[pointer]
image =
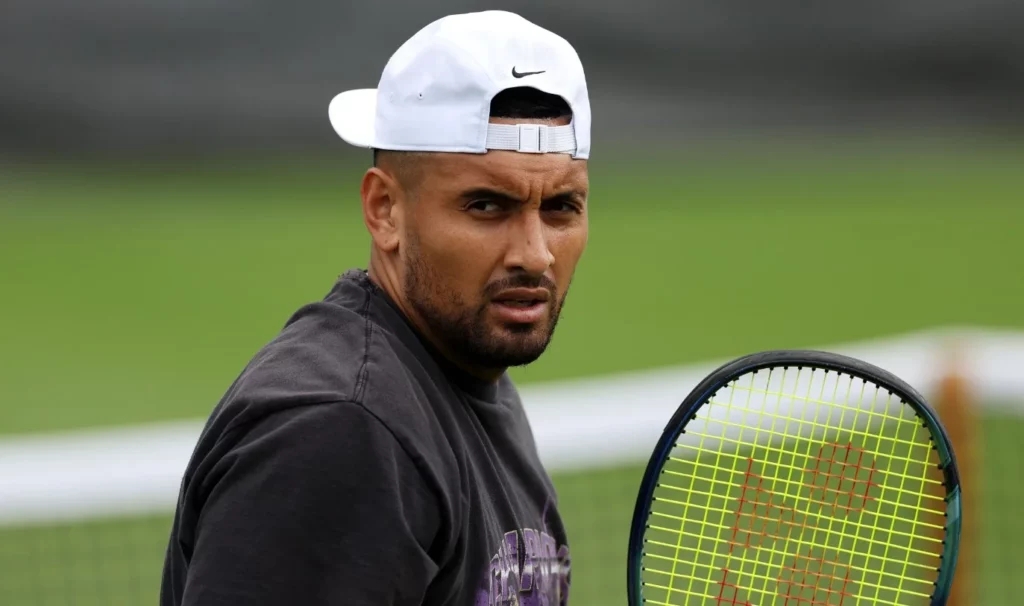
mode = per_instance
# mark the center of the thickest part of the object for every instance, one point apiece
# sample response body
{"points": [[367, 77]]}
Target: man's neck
{"points": [[386, 279]]}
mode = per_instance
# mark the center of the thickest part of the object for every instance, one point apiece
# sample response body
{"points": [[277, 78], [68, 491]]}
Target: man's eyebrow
{"points": [[484, 193], [575, 195]]}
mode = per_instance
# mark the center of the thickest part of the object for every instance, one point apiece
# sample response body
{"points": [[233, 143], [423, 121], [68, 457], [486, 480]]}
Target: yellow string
{"points": [[860, 569], [817, 539], [824, 427], [779, 450], [799, 484], [773, 552]]}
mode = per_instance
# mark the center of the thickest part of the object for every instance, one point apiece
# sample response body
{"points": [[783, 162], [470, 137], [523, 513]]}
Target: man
{"points": [[376, 452]]}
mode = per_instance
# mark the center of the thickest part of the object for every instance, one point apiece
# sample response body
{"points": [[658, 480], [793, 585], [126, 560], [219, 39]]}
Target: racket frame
{"points": [[785, 358]]}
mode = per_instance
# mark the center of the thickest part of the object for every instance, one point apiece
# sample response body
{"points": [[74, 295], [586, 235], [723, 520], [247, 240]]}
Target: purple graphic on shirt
{"points": [[529, 569]]}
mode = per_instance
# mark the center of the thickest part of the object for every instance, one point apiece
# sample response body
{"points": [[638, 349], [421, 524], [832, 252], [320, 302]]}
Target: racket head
{"points": [[832, 482]]}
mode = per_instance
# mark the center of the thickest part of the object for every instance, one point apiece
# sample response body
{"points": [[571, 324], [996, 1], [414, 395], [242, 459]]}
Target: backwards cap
{"points": [[435, 92]]}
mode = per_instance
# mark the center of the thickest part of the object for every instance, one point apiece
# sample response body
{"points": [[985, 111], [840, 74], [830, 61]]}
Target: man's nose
{"points": [[528, 250]]}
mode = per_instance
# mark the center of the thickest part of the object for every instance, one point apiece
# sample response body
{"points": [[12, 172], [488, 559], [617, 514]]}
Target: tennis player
{"points": [[376, 452]]}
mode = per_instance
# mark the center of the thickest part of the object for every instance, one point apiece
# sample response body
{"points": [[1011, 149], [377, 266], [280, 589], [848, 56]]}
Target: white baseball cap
{"points": [[435, 92]]}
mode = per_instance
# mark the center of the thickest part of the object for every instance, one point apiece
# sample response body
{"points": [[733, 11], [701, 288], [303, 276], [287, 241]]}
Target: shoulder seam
{"points": [[363, 373]]}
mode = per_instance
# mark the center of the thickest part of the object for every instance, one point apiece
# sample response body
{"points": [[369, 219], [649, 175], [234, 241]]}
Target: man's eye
{"points": [[561, 207], [487, 206]]}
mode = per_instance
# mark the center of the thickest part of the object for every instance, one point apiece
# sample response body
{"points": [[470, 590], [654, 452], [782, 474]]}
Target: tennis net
{"points": [[84, 516]]}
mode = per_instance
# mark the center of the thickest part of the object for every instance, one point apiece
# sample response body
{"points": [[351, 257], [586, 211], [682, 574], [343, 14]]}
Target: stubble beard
{"points": [[466, 332]]}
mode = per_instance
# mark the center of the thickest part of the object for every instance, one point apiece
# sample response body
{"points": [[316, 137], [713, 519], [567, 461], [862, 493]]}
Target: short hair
{"points": [[524, 103]]}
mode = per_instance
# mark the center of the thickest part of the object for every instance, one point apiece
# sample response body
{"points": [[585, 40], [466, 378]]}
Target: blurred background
{"points": [[845, 176]]}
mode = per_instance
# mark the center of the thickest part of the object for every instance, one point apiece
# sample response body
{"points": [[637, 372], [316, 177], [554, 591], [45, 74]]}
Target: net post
{"points": [[958, 413]]}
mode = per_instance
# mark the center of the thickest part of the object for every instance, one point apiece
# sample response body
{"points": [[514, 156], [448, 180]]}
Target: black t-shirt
{"points": [[349, 464]]}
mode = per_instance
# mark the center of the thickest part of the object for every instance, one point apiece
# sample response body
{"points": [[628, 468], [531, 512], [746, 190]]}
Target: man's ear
{"points": [[381, 212]]}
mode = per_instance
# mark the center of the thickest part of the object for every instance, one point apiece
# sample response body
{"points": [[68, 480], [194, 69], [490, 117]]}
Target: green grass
{"points": [[137, 294], [118, 562], [96, 563]]}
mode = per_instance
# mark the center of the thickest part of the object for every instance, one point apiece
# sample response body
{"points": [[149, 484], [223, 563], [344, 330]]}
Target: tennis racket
{"points": [[797, 478]]}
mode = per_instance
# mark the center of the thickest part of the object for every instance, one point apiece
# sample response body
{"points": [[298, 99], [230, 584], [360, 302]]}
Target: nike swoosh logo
{"points": [[516, 74]]}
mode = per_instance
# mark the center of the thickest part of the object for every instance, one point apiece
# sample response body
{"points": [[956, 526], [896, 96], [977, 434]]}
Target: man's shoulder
{"points": [[315, 358], [348, 347]]}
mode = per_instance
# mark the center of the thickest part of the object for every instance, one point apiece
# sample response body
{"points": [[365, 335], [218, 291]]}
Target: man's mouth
{"points": [[522, 305], [523, 297], [518, 303]]}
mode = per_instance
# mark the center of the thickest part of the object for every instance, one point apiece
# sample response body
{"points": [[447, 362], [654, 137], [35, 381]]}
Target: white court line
{"points": [[578, 424], [619, 418]]}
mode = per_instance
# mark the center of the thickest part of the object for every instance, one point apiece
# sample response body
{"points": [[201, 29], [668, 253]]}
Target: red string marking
{"points": [[766, 521], [816, 587], [807, 580], [846, 477], [732, 600]]}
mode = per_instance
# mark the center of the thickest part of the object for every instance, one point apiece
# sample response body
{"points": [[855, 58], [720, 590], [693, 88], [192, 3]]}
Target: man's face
{"points": [[489, 248]]}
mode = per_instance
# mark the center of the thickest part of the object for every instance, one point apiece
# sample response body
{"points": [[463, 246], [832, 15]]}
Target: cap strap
{"points": [[532, 138]]}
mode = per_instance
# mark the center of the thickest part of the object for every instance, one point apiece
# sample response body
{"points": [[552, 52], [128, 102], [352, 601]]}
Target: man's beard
{"points": [[465, 332]]}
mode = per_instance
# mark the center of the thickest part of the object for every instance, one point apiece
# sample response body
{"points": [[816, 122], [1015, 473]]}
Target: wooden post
{"points": [[958, 412]]}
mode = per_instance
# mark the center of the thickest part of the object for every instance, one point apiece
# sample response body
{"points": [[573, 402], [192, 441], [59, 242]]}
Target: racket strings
{"points": [[820, 517], [818, 400], [897, 475], [795, 571], [852, 432], [825, 511], [755, 562]]}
